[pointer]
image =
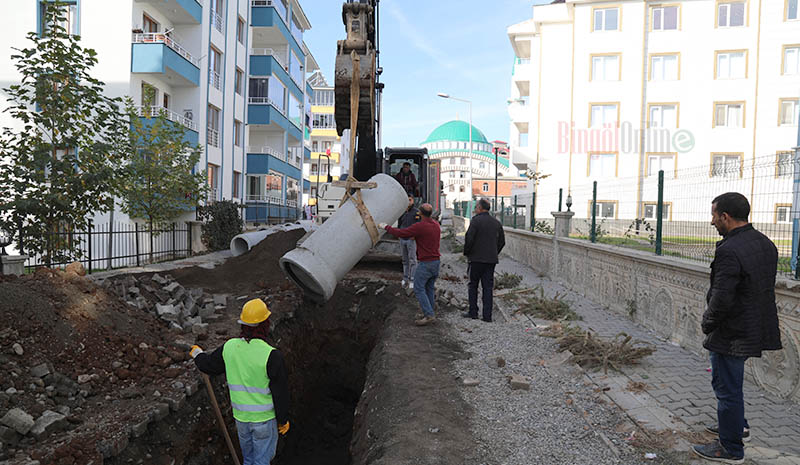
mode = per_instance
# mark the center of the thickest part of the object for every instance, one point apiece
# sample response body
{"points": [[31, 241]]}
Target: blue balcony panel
{"points": [[267, 16], [157, 58], [306, 185], [259, 163], [267, 65], [267, 115], [189, 135], [263, 213], [306, 153]]}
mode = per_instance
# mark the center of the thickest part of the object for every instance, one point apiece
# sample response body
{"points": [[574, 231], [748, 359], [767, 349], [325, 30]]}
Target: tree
{"points": [[159, 182], [60, 167]]}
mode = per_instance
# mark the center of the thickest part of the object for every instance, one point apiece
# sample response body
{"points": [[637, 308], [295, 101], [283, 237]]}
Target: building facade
{"points": [[449, 143], [230, 72], [613, 92]]}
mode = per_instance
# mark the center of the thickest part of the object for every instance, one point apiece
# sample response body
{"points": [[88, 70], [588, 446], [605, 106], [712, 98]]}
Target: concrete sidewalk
{"points": [[209, 260], [678, 394]]}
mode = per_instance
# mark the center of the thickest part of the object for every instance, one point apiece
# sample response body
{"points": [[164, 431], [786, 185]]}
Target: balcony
{"points": [[179, 11], [266, 62], [266, 150], [156, 53], [266, 52], [523, 73], [523, 157], [263, 111], [273, 17], [149, 113]]}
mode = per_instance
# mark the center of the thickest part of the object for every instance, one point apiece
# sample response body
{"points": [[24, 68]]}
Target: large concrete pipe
{"points": [[331, 251], [242, 243]]}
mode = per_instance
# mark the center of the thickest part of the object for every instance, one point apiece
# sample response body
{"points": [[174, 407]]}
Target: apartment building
{"points": [[616, 91], [231, 72], [328, 152]]}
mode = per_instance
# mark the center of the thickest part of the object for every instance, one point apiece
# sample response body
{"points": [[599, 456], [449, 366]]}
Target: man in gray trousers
{"points": [[409, 246]]}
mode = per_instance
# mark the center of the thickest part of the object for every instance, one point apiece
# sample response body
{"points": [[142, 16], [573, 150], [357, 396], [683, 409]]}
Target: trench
{"points": [[326, 348]]}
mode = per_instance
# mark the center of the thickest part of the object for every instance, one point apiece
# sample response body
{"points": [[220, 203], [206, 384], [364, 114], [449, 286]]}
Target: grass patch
{"points": [[507, 280], [591, 351]]}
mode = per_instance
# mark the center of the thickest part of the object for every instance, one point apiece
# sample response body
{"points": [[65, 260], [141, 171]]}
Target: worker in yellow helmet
{"points": [[257, 383]]}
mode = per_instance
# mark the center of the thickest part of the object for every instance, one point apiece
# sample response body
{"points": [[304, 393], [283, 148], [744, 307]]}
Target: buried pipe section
{"points": [[326, 255], [242, 243]]}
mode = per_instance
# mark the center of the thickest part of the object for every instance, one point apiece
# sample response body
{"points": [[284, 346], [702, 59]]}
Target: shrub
{"points": [[221, 222], [507, 280]]}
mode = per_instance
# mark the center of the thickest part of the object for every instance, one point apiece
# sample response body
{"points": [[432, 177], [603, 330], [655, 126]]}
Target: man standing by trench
{"points": [[427, 234], [257, 382], [482, 245], [409, 246], [740, 321]]}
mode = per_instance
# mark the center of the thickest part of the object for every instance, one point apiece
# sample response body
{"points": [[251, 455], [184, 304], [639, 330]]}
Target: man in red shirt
{"points": [[427, 234]]}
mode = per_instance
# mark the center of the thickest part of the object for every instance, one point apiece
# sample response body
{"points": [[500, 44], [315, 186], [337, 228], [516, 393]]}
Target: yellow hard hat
{"points": [[254, 312]]}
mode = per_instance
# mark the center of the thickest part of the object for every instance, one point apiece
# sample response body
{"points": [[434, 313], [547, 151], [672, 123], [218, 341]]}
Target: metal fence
{"points": [[668, 212], [117, 245]]}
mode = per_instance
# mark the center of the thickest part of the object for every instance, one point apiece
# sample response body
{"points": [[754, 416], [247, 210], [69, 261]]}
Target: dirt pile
{"points": [[79, 362], [255, 270]]}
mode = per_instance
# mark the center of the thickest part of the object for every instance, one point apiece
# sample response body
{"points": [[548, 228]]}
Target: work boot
{"points": [[467, 315], [403, 283], [716, 453], [715, 431], [425, 321]]}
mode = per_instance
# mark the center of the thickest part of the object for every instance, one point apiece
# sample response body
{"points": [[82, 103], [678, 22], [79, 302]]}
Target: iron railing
{"points": [[159, 37]]}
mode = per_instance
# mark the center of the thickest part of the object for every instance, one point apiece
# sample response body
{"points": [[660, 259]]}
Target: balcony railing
{"points": [[212, 137], [265, 101], [153, 111], [267, 150], [161, 38], [291, 203], [216, 20], [297, 162], [269, 52], [259, 198], [273, 3], [212, 194], [214, 79]]}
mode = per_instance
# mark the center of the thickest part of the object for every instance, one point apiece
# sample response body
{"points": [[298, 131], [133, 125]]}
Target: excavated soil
{"points": [[255, 270]]}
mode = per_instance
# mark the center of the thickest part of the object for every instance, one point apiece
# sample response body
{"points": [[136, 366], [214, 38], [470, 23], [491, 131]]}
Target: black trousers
{"points": [[482, 273]]}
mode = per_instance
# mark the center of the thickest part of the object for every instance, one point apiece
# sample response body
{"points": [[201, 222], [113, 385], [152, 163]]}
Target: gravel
{"points": [[562, 419]]}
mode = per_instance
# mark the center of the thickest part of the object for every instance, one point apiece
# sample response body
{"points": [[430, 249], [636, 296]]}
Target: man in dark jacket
{"points": [[482, 244], [408, 246], [407, 179], [740, 320]]}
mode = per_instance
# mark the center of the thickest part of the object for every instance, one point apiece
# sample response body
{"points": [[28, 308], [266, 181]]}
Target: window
{"points": [[726, 165], [485, 187], [665, 67], [212, 134], [665, 18], [295, 110], [791, 9], [292, 191], [69, 17], [238, 78], [729, 114], [789, 111], [603, 114], [452, 188], [663, 115], [482, 165], [215, 62], [149, 24], [603, 165], [255, 188], [213, 181], [149, 96], [783, 164], [454, 161], [462, 189], [237, 133], [606, 67], [791, 60], [277, 93], [295, 68], [523, 139], [604, 208], [240, 30], [462, 174], [731, 14], [731, 64], [783, 213], [452, 174], [463, 161], [166, 100], [651, 209], [606, 19], [274, 181], [324, 121], [659, 161], [237, 177]]}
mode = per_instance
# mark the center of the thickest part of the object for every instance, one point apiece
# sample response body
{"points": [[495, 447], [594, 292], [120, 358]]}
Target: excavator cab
{"points": [[426, 172]]}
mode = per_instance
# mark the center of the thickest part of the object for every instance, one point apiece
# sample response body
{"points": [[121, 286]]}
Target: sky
{"points": [[458, 47]]}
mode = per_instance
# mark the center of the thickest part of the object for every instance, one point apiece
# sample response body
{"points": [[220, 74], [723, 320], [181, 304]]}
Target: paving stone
{"points": [[172, 287], [49, 422], [220, 299], [519, 382]]}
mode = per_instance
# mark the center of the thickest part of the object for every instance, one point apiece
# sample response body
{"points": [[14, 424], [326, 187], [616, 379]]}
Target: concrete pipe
{"points": [[242, 243], [337, 245]]}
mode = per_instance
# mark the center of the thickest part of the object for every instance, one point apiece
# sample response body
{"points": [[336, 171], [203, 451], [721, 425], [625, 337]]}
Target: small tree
{"points": [[221, 223], [159, 182], [60, 167]]}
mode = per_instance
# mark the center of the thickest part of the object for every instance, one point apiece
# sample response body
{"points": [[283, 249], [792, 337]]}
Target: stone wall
{"points": [[664, 294]]}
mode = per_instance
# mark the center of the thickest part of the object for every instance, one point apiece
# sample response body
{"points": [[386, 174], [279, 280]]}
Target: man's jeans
{"points": [[482, 273], [424, 280], [258, 441], [409, 248], [727, 375]]}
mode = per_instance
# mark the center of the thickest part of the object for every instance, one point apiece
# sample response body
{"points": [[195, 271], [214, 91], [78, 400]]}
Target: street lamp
{"points": [[443, 95], [569, 201], [5, 240]]}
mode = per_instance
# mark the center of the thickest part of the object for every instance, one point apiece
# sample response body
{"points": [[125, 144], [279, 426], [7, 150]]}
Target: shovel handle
{"points": [[220, 420]]}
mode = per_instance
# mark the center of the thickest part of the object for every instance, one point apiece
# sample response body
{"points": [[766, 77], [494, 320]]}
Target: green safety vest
{"points": [[248, 383]]}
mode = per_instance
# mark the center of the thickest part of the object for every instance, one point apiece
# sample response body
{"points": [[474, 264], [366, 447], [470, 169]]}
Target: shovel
{"points": [[220, 420]]}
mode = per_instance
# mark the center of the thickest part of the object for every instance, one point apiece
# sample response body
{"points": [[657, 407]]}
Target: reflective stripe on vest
{"points": [[248, 382]]}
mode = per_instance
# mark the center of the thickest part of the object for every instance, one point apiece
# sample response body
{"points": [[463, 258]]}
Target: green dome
{"points": [[456, 131]]}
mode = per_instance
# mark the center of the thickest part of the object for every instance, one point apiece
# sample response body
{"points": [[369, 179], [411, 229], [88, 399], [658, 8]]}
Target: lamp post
{"points": [[468, 102], [496, 152], [5, 240]]}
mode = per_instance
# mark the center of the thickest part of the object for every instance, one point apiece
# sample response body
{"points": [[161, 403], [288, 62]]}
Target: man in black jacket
{"points": [[482, 244], [740, 320], [408, 246]]}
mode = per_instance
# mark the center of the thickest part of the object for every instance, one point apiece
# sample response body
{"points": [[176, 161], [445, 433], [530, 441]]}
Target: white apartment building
{"points": [[613, 91], [232, 72]]}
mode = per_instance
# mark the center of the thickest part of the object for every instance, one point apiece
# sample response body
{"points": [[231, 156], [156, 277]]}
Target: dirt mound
{"points": [[257, 269], [73, 348]]}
